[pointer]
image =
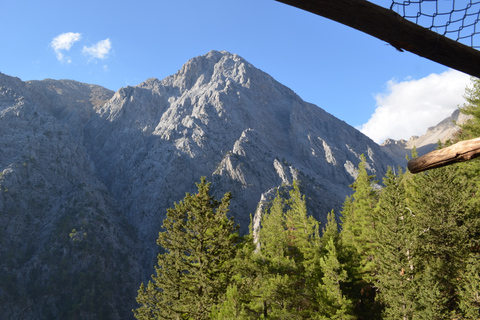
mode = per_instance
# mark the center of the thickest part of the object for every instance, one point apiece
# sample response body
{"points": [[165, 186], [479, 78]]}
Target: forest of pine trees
{"points": [[406, 247]]}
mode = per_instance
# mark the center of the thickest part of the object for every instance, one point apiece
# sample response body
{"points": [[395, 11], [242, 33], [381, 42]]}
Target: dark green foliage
{"points": [[428, 235], [286, 261], [359, 246], [430, 299], [407, 250], [445, 206], [471, 129], [194, 272], [330, 231], [446, 211], [332, 302], [396, 249], [469, 288], [359, 221], [428, 230], [291, 273], [230, 308]]}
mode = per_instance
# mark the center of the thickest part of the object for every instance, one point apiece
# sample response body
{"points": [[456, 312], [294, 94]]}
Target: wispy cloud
{"points": [[100, 50], [64, 42], [410, 107]]}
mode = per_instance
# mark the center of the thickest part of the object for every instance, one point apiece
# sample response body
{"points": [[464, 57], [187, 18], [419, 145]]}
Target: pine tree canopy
{"points": [[194, 272], [409, 249]]}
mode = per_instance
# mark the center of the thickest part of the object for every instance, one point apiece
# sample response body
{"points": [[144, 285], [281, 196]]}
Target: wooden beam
{"points": [[459, 152], [390, 27]]}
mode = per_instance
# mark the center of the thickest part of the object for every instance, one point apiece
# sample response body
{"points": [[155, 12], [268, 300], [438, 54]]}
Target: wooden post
{"points": [[459, 152], [390, 27]]}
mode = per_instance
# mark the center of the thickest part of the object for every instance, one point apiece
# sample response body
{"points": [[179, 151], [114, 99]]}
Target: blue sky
{"points": [[355, 77]]}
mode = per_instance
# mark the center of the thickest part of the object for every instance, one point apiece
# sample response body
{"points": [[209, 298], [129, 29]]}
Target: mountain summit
{"points": [[222, 118], [87, 174]]}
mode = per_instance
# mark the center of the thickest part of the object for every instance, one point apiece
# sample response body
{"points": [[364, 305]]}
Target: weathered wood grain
{"points": [[459, 152]]}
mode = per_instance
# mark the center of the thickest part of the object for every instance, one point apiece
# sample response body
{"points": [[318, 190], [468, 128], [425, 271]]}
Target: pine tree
{"points": [[269, 284], [431, 300], [194, 272], [446, 208], [286, 263], [304, 241], [241, 297], [359, 243], [330, 231], [332, 303], [469, 288], [230, 308], [396, 274], [276, 280], [471, 129], [358, 220]]}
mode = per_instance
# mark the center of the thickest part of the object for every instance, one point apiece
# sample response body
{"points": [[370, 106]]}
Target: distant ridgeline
{"points": [[87, 175]]}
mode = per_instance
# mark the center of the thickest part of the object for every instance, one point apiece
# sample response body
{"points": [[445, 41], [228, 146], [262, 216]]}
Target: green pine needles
{"points": [[415, 255], [408, 250], [194, 272]]}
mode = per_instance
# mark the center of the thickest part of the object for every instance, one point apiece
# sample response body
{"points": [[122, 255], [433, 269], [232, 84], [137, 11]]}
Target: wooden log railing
{"points": [[459, 152]]}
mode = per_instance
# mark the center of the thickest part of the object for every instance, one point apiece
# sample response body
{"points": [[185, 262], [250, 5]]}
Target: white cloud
{"points": [[98, 51], [64, 42], [410, 107]]}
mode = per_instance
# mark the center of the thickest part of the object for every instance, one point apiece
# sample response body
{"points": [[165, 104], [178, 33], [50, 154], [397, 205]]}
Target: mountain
{"points": [[443, 131], [86, 174], [62, 236]]}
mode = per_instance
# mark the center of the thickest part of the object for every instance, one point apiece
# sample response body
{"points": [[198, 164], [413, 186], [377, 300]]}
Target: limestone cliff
{"points": [[86, 175], [66, 251]]}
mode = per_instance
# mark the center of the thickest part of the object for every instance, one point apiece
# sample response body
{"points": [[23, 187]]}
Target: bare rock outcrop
{"points": [[64, 240], [222, 118], [86, 174], [443, 131]]}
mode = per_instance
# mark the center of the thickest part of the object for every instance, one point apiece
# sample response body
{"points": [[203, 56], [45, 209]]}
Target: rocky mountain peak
{"points": [[95, 171], [221, 117], [220, 67]]}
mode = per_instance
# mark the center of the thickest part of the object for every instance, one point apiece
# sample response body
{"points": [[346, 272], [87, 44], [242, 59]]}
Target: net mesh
{"points": [[455, 19]]}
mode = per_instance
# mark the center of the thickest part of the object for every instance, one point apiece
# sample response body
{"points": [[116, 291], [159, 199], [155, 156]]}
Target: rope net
{"points": [[455, 19]]}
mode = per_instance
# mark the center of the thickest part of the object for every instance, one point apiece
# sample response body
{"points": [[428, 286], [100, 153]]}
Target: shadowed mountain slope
{"points": [[86, 174]]}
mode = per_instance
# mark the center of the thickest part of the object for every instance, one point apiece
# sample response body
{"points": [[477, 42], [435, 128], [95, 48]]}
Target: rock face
{"points": [[62, 235], [222, 118], [443, 131], [86, 175]]}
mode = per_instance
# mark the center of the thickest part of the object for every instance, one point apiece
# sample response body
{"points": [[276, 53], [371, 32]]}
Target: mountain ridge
{"points": [[183, 107], [57, 221], [441, 132], [95, 171]]}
